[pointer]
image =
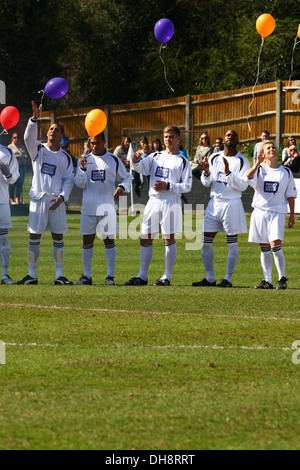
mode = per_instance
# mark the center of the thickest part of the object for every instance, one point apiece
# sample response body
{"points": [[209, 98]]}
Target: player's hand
{"points": [[83, 161], [260, 157], [291, 221], [160, 186], [137, 155], [56, 203], [118, 193], [226, 165], [205, 165], [4, 168], [36, 110]]}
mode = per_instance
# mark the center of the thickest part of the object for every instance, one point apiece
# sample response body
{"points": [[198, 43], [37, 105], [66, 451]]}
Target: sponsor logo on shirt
{"points": [[221, 178], [271, 187], [162, 172], [98, 175], [48, 169]]}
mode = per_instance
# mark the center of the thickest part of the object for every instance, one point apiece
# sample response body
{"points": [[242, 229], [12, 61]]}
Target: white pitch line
{"points": [[33, 345], [209, 347], [109, 310]]}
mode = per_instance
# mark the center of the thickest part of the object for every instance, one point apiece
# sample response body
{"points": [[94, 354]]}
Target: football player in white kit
{"points": [[52, 183], [9, 173], [96, 174], [170, 176], [274, 185], [224, 173]]}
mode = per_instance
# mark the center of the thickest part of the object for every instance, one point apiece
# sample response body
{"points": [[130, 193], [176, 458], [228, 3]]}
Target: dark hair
{"points": [[101, 135], [144, 140], [289, 139], [159, 143], [126, 137], [266, 132]]}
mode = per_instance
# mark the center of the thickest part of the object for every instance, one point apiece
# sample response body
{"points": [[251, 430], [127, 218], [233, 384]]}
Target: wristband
{"points": [[207, 174], [121, 187], [9, 176], [34, 120], [229, 173], [62, 198], [168, 187], [83, 168]]}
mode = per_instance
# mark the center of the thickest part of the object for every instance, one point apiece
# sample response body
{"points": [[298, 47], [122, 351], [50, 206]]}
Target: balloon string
{"points": [[165, 68], [292, 60], [256, 81], [41, 92]]}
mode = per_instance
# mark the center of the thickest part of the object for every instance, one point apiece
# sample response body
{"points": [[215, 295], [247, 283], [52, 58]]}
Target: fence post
{"points": [[53, 117], [106, 131], [278, 112], [188, 121]]}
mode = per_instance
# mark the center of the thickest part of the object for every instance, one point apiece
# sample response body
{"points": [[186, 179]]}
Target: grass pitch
{"points": [[120, 368]]}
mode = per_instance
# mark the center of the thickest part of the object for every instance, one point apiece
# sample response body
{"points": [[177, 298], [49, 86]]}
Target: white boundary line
{"points": [[109, 310]]}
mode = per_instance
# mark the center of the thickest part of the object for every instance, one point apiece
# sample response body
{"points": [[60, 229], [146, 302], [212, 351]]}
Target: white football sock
{"points": [[233, 256], [208, 256], [266, 262], [110, 255], [59, 257], [4, 252], [87, 258], [146, 254], [33, 257], [279, 260], [170, 258]]}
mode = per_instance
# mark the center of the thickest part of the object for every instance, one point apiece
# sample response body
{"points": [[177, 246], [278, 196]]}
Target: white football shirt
{"points": [[273, 186], [162, 166], [225, 186], [7, 156], [99, 182], [52, 171]]}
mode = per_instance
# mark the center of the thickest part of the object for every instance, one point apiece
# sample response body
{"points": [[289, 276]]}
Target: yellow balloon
{"points": [[265, 25], [95, 122], [298, 34]]}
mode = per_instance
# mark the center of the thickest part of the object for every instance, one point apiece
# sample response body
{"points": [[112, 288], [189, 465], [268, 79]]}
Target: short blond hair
{"points": [[267, 142], [172, 129]]}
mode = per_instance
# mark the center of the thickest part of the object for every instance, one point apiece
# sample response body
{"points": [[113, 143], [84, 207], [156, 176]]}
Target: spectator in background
{"points": [[219, 146], [156, 145], [137, 177], [285, 153], [204, 150], [265, 135], [293, 160], [87, 148], [181, 149], [122, 150], [22, 157]]}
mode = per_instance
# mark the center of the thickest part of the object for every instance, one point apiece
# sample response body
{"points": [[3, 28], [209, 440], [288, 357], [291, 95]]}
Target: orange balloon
{"points": [[265, 25], [298, 34], [95, 122]]}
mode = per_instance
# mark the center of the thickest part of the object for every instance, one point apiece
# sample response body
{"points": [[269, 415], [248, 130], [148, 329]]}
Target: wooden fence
{"points": [[276, 107]]}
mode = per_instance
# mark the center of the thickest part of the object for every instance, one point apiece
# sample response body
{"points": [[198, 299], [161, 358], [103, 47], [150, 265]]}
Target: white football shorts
{"points": [[106, 225], [266, 226], [163, 216], [5, 216], [226, 215], [41, 219]]}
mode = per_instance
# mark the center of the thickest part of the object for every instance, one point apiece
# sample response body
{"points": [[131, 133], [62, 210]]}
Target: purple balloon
{"points": [[56, 88], [164, 30]]}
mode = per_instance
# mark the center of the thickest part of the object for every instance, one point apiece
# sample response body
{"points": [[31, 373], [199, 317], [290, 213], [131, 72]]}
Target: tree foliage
{"points": [[107, 51]]}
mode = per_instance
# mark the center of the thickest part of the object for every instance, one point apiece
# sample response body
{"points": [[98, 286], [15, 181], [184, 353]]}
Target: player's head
{"points": [[269, 150], [98, 144], [231, 139], [55, 134], [172, 138]]}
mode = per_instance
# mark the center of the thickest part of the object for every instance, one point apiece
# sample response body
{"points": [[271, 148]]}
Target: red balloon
{"points": [[9, 117]]}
